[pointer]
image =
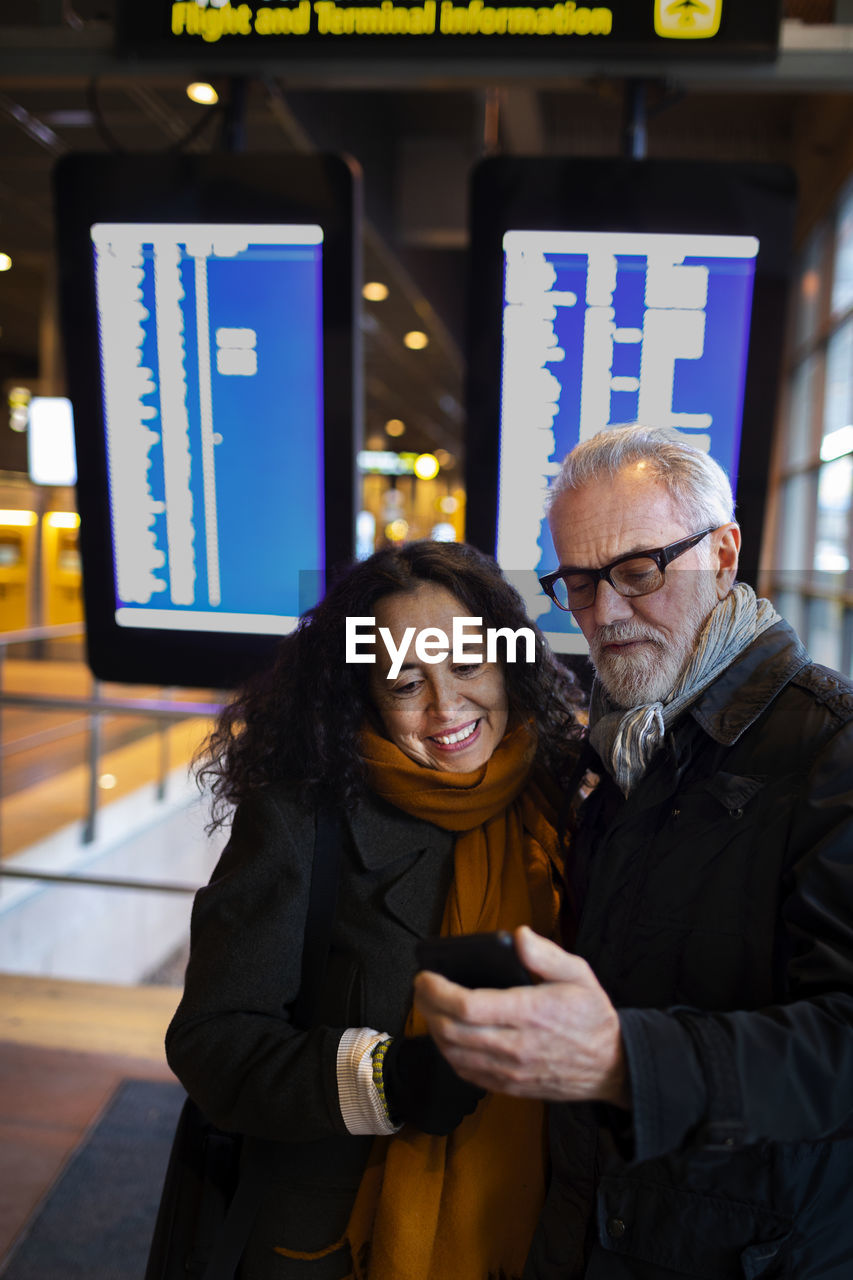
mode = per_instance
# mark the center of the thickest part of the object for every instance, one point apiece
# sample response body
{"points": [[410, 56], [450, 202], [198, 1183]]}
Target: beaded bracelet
{"points": [[377, 1055]]}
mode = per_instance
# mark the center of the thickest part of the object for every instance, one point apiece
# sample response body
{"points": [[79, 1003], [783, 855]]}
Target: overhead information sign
{"points": [[601, 328], [468, 28], [207, 306], [605, 292], [196, 411]]}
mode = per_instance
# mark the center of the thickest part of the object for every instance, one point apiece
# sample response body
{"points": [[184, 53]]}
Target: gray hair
{"points": [[696, 483]]}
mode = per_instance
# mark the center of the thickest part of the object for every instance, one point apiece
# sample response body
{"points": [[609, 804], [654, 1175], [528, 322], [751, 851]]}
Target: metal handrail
{"points": [[163, 711], [98, 882], [56, 631], [154, 708]]}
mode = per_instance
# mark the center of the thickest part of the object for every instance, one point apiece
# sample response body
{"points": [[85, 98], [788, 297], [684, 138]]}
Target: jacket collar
{"points": [[737, 698], [413, 859], [382, 833]]}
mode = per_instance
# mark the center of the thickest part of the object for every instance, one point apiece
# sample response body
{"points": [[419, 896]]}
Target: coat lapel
{"points": [[408, 856]]}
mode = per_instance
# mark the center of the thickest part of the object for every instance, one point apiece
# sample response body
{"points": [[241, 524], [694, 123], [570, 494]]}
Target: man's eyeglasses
{"points": [[637, 574]]}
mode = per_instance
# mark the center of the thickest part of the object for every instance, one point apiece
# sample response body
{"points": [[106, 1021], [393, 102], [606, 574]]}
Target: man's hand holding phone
{"points": [[558, 1039]]}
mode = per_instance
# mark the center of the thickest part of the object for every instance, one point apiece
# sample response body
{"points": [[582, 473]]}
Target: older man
{"points": [[707, 1013]]}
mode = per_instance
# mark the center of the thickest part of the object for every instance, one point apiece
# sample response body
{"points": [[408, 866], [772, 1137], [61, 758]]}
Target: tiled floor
{"points": [[64, 1047]]}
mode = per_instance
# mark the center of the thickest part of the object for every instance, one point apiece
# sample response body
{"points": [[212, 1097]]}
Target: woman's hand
{"points": [[421, 1087]]}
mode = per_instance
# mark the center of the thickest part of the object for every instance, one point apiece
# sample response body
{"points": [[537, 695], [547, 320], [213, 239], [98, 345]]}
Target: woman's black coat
{"points": [[231, 1042]]}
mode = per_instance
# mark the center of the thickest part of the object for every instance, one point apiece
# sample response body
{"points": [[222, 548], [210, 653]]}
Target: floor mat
{"points": [[96, 1221]]}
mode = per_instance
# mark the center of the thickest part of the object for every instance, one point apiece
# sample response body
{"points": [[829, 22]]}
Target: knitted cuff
{"points": [[361, 1091]]}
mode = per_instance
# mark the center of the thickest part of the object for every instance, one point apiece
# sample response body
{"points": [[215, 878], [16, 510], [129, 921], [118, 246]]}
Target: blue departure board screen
{"points": [[211, 365], [603, 328], [208, 314]]}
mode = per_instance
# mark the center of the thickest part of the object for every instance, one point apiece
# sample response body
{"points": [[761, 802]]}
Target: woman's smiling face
{"points": [[444, 715]]}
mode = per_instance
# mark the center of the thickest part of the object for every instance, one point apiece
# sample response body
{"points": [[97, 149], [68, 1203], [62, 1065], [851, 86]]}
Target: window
{"points": [[810, 578]]}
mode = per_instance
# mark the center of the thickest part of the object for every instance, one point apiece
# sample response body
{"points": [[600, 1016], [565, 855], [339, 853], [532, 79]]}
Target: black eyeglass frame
{"points": [[662, 556]]}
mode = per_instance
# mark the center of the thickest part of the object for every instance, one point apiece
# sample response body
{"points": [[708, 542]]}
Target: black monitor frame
{"points": [[219, 188]]}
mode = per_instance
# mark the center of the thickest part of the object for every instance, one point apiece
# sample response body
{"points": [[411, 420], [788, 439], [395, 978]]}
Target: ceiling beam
{"points": [[811, 58]]}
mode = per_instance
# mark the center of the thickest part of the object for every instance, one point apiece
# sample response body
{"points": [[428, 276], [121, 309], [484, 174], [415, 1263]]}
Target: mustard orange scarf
{"points": [[464, 1207]]}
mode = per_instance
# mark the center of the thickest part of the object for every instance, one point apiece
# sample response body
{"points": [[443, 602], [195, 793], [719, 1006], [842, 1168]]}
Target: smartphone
{"points": [[475, 959]]}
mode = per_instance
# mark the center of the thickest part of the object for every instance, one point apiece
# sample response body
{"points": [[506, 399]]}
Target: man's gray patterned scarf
{"points": [[627, 740]]}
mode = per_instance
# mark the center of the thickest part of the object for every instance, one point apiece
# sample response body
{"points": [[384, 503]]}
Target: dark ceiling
{"points": [[416, 136]]}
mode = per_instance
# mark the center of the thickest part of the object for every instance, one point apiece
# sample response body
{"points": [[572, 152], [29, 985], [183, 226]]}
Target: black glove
{"points": [[421, 1086]]}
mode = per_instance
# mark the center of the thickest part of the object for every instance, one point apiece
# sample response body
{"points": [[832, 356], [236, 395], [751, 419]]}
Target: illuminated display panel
{"points": [[216, 30], [608, 291], [211, 364], [207, 307], [601, 328]]}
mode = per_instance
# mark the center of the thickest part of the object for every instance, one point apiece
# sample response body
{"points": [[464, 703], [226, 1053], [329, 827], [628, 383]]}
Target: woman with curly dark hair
{"points": [[387, 1165]]}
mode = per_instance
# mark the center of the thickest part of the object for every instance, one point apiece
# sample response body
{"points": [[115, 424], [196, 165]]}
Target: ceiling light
{"points": [[426, 466], [442, 532], [395, 427], [396, 530], [22, 518], [375, 291], [415, 340], [5, 262], [203, 93]]}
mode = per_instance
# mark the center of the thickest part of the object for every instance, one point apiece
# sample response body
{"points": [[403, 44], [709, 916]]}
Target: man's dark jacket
{"points": [[718, 915]]}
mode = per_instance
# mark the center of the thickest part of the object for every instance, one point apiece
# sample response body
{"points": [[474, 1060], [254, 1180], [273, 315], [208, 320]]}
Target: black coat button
{"points": [[616, 1228]]}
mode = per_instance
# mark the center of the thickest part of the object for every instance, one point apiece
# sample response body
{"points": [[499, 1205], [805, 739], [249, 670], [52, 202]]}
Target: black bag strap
{"points": [[322, 900], [329, 840]]}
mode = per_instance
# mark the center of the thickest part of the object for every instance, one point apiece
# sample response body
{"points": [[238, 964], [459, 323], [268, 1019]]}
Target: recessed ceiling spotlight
{"points": [[426, 466], [375, 291], [199, 91], [396, 530], [415, 340], [395, 427]]}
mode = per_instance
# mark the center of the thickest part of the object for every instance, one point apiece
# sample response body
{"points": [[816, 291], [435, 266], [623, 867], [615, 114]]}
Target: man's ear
{"points": [[726, 552]]}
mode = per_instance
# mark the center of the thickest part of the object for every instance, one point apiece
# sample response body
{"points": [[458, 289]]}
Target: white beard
{"points": [[649, 674]]}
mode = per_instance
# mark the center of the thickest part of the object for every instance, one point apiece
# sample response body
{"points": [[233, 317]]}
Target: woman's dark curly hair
{"points": [[298, 719]]}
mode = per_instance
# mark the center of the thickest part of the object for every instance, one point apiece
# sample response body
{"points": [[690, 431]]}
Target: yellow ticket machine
{"points": [[62, 584], [17, 546]]}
